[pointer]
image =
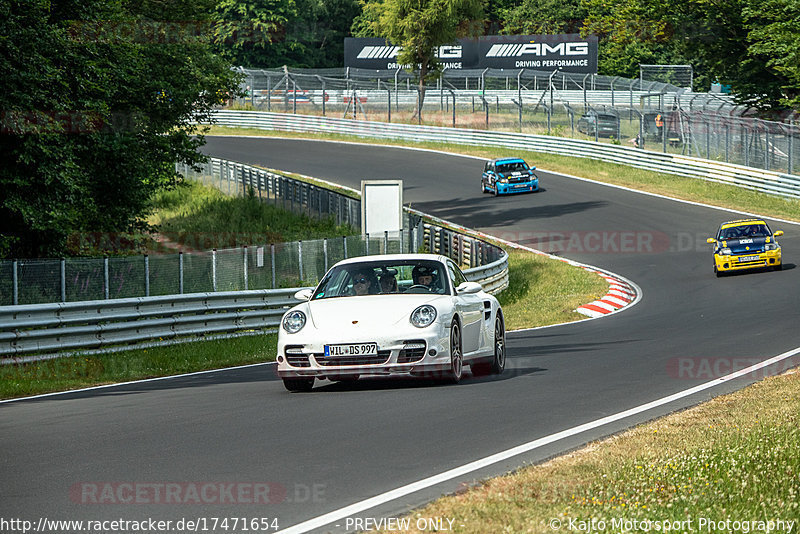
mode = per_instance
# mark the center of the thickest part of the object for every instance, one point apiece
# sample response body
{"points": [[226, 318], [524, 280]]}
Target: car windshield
{"points": [[383, 278], [744, 231], [513, 166]]}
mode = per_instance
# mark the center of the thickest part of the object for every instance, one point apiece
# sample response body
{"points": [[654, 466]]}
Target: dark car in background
{"points": [[604, 124]]}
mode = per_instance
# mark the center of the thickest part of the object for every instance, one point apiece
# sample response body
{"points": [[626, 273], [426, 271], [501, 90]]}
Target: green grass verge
{"points": [[734, 458], [20, 380], [692, 189]]}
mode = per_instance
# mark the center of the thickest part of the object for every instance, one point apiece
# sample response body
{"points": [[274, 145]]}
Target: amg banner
{"points": [[567, 53]]}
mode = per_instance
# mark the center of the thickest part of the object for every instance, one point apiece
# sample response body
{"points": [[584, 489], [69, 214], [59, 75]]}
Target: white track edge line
{"points": [[396, 493]]}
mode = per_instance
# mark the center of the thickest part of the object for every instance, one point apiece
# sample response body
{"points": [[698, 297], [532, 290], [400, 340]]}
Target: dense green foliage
{"points": [[420, 27], [272, 33], [99, 101], [100, 97]]}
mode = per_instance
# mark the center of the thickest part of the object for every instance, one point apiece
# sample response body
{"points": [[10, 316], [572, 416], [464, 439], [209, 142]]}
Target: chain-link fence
{"points": [[259, 266], [636, 112]]}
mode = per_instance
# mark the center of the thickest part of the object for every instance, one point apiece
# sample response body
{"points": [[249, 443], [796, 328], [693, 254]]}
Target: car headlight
{"points": [[294, 321], [725, 251], [423, 316], [771, 246]]}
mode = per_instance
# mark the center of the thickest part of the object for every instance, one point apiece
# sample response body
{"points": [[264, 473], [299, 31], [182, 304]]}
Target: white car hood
{"points": [[373, 311]]}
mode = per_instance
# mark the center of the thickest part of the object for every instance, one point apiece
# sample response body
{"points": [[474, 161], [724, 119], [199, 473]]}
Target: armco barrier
{"points": [[786, 185], [41, 331], [97, 325]]}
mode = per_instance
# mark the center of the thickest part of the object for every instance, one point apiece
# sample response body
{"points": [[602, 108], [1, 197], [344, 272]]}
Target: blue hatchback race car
{"points": [[506, 176]]}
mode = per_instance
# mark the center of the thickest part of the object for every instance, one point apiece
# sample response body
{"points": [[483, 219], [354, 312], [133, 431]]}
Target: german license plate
{"points": [[748, 258], [352, 349]]}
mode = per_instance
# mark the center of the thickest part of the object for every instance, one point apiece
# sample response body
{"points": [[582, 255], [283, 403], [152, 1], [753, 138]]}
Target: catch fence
{"points": [[656, 115]]}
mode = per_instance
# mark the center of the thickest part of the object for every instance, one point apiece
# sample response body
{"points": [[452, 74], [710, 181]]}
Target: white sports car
{"points": [[391, 314]]}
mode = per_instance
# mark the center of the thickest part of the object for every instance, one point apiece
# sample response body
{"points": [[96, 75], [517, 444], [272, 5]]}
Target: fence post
{"points": [[300, 257], [214, 269], [367, 244], [146, 275], [344, 242], [180, 272], [15, 282], [272, 258], [63, 279], [325, 252], [385, 241], [791, 145], [244, 254], [106, 292]]}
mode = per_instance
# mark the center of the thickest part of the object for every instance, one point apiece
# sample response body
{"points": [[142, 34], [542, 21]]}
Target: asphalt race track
{"points": [[341, 444]]}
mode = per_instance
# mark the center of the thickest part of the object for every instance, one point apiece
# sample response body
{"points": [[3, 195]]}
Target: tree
{"points": [[272, 33], [543, 17], [100, 99], [420, 27]]}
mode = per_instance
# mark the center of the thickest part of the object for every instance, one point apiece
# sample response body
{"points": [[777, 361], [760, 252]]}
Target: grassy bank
{"points": [[195, 214], [660, 183], [734, 458]]}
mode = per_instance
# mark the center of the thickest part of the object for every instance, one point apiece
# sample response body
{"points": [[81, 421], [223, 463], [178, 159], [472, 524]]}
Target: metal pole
{"points": [[214, 269], [146, 275], [15, 282], [344, 243], [180, 272], [272, 258], [106, 292], [63, 280], [300, 257], [791, 145], [367, 244], [325, 253], [244, 257], [385, 242]]}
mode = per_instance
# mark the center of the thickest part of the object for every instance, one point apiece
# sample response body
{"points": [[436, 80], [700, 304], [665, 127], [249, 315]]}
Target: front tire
{"points": [[498, 362], [453, 375], [299, 385]]}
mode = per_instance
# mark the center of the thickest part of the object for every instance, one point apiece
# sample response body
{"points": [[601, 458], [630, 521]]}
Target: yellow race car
{"points": [[745, 244]]}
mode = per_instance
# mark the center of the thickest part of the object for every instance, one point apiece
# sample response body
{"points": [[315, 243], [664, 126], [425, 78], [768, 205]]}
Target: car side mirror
{"points": [[711, 240], [469, 288], [778, 233], [304, 294]]}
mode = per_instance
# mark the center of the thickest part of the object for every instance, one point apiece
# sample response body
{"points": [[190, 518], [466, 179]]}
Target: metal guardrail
{"points": [[787, 185], [44, 331], [100, 325]]}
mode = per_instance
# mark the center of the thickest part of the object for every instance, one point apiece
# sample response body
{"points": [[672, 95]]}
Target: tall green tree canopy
{"points": [[272, 33], [99, 100], [420, 27]]}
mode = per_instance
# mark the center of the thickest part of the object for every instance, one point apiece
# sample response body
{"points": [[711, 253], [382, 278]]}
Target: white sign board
{"points": [[381, 206]]}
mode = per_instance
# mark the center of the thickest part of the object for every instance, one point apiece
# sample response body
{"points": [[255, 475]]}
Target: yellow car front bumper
{"points": [[727, 262]]}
